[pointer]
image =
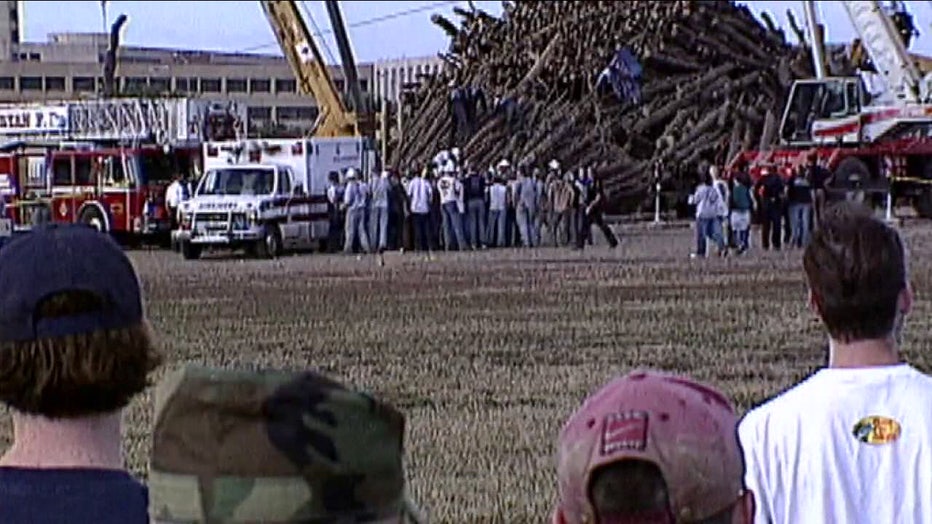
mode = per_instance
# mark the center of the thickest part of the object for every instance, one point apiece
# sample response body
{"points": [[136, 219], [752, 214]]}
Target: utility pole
{"points": [[103, 10]]}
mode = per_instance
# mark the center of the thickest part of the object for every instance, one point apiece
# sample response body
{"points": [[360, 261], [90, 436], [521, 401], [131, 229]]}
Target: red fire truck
{"points": [[106, 163]]}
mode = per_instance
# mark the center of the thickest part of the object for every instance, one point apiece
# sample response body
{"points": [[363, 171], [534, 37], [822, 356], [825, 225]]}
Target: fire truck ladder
{"points": [[131, 119]]}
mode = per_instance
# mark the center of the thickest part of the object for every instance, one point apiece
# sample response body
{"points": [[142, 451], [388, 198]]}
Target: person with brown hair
{"points": [[816, 452], [652, 447], [75, 348]]}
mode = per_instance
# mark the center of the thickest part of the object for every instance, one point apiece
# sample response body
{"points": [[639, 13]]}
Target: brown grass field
{"points": [[488, 353]]}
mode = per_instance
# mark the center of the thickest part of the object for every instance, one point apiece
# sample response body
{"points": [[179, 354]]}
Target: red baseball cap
{"points": [[687, 429]]}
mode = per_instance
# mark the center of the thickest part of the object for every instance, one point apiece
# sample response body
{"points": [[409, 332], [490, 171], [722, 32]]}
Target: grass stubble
{"points": [[487, 353]]}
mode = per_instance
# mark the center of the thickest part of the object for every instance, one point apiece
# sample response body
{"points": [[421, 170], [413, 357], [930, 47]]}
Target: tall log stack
{"points": [[712, 74]]}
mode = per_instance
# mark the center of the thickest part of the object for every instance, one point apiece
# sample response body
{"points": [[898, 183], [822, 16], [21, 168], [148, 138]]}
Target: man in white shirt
{"points": [[174, 196], [853, 442], [498, 208], [419, 197], [451, 195], [354, 202]]}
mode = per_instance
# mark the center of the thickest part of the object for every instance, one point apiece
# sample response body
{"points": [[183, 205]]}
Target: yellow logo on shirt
{"points": [[876, 429]]}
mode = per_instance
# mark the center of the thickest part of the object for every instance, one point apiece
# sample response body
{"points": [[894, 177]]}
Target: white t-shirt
{"points": [[497, 196], [449, 188], [419, 193], [806, 462]]}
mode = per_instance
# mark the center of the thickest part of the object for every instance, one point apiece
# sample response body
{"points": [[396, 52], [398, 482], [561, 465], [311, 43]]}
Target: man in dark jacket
{"points": [[770, 191], [594, 207], [474, 195]]}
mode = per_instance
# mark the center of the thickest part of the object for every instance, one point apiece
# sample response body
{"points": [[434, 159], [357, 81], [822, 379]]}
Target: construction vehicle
{"points": [[297, 44], [105, 162], [872, 142]]}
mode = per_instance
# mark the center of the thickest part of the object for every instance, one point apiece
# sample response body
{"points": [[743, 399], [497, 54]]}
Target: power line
{"points": [[361, 23], [307, 14]]}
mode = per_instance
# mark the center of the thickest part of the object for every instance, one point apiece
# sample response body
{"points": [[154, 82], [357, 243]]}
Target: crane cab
{"points": [[824, 111]]}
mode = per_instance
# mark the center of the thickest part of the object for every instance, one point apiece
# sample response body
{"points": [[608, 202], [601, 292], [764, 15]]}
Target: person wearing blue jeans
{"points": [[378, 213], [799, 199], [709, 208], [474, 194]]}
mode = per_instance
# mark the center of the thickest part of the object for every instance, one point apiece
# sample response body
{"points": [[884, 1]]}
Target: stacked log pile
{"points": [[714, 82]]}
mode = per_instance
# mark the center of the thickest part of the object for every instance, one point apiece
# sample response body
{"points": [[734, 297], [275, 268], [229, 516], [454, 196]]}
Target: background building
{"points": [[391, 75]]}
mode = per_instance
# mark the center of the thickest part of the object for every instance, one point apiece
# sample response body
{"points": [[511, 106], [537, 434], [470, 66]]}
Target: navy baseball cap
{"points": [[58, 258]]}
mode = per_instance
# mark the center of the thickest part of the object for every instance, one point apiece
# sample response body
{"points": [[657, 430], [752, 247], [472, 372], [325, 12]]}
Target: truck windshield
{"points": [[157, 168], [235, 181]]}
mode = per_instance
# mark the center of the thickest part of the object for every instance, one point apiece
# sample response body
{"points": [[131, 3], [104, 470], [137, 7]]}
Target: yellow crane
{"points": [[305, 59]]}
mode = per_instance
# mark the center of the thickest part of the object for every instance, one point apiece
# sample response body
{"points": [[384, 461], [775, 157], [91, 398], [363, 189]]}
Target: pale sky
{"points": [[377, 30]]}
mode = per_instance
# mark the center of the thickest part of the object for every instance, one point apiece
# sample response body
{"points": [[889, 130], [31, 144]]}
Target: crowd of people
{"points": [[787, 207], [451, 205], [852, 443]]}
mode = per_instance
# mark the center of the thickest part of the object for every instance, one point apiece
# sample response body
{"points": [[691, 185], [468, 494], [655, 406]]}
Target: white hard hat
{"points": [[554, 165], [350, 173], [504, 163], [449, 167], [455, 152]]}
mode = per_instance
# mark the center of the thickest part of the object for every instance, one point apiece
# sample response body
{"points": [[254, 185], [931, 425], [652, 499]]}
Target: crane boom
{"points": [[885, 48], [310, 70]]}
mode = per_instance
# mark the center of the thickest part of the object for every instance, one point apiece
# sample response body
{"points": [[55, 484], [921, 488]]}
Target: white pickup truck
{"points": [[271, 201]]}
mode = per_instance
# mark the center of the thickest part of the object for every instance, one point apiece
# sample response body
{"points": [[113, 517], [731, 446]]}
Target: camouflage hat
{"points": [[274, 447]]}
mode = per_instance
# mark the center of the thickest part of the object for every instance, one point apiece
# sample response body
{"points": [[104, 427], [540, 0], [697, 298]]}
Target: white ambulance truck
{"points": [[264, 195]]}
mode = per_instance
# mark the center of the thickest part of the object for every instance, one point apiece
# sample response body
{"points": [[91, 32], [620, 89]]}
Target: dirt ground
{"points": [[488, 353]]}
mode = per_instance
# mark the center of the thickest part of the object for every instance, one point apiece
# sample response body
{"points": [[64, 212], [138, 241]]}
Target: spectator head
{"points": [[652, 448], [708, 179], [75, 341], [273, 446], [334, 177], [813, 157], [856, 272]]}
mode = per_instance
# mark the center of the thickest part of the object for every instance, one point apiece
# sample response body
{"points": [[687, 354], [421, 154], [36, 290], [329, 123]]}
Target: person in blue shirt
{"points": [[75, 348]]}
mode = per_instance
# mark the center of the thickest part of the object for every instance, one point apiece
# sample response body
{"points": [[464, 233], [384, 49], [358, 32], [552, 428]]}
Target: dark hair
{"points": [[629, 487], [77, 375], [856, 269]]}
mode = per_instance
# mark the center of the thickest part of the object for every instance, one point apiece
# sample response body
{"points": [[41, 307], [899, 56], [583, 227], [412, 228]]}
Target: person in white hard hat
{"points": [[451, 194], [380, 187], [354, 202]]}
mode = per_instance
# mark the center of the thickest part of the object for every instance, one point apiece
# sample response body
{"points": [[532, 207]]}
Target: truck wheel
{"points": [[922, 201], [850, 178], [94, 218], [271, 244], [190, 251]]}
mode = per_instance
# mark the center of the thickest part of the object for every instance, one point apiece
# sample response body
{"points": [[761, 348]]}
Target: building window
{"points": [[160, 85], [339, 84], [363, 85], [186, 85], [194, 84], [210, 85], [296, 113], [30, 83], [259, 113], [135, 84], [54, 83], [7, 83], [236, 85], [83, 84], [260, 85], [34, 57], [285, 85]]}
